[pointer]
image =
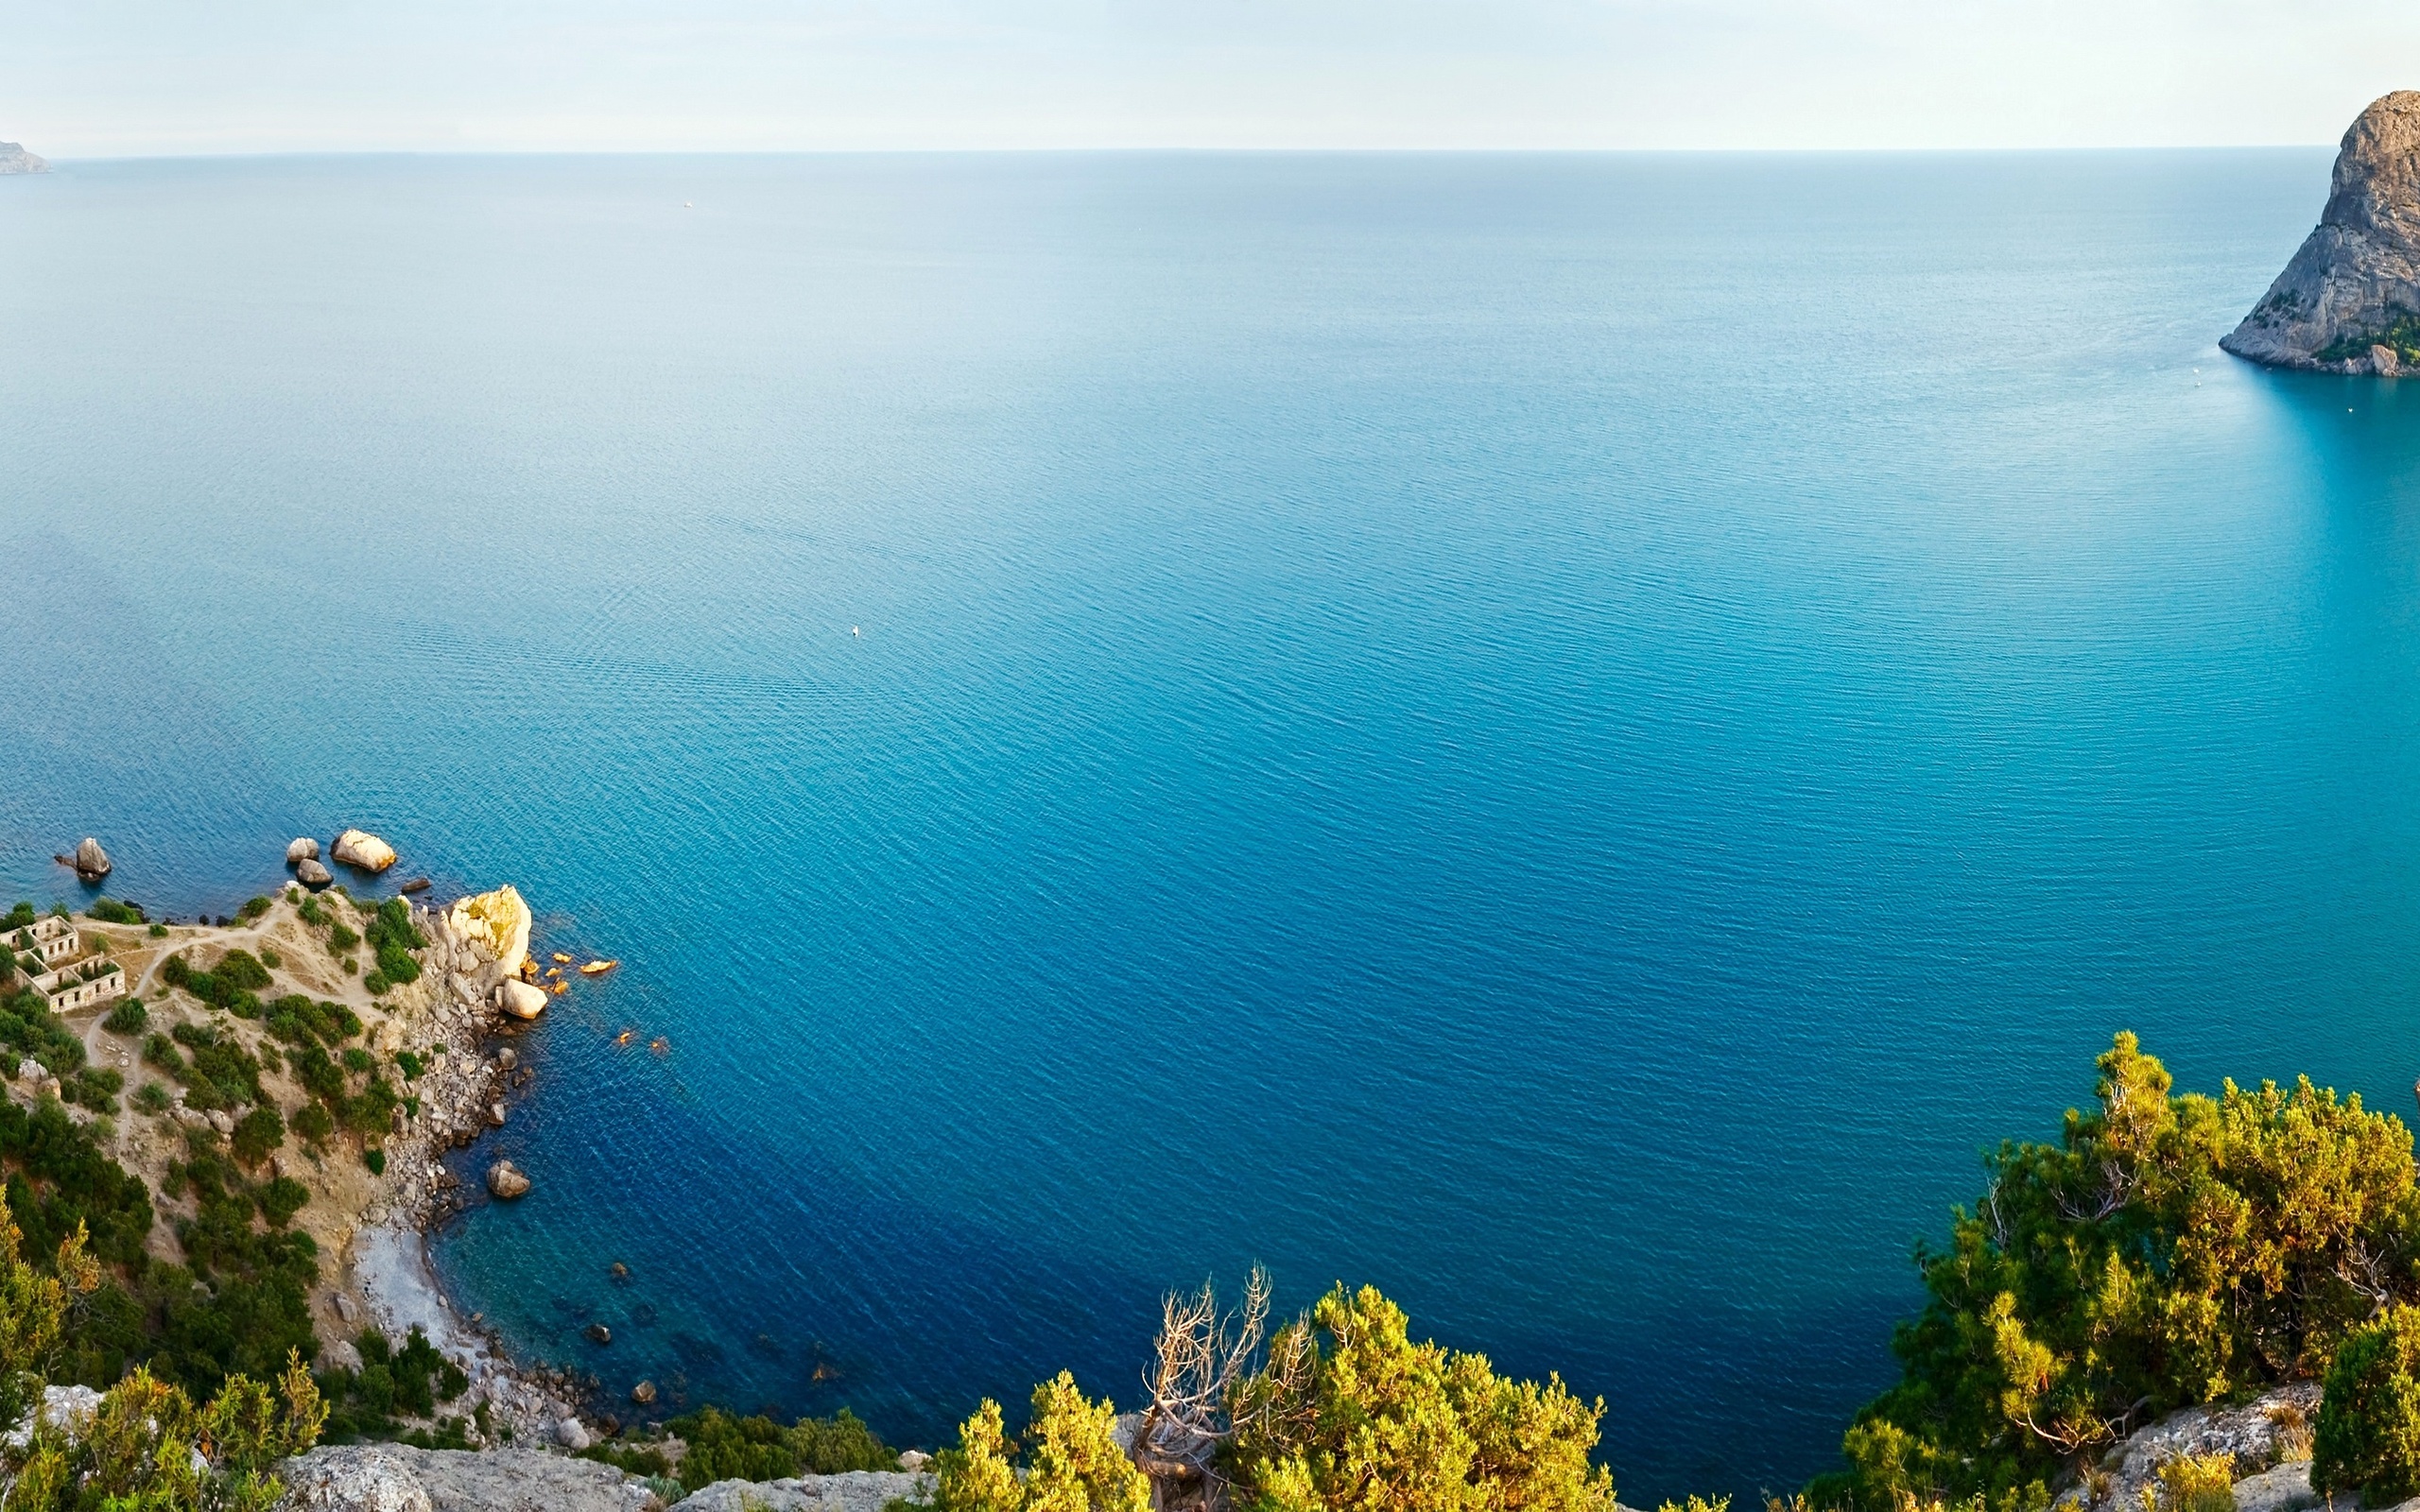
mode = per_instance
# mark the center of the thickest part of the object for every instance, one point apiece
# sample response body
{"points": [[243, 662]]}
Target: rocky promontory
{"points": [[2349, 302], [15, 159]]}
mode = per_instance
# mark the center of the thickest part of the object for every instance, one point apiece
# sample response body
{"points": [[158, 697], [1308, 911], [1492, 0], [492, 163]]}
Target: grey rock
{"points": [[913, 1460], [223, 1121], [311, 874], [506, 1180], [520, 999], [2270, 1430], [2280, 1488], [572, 1435], [397, 1478], [14, 159], [92, 862], [856, 1491], [644, 1393], [298, 851], [2355, 279]]}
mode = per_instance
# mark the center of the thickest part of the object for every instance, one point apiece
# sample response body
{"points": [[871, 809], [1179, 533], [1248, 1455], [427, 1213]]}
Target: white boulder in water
{"points": [[520, 999], [311, 874], [300, 850], [92, 862], [359, 847]]}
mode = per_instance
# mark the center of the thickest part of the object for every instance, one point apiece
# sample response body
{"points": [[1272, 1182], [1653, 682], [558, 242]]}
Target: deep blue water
{"points": [[1564, 735]]}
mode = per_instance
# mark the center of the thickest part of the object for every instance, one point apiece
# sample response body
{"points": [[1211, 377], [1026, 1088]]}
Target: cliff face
{"points": [[2350, 300], [14, 159]]}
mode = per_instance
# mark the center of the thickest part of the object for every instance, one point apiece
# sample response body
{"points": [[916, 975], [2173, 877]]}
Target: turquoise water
{"points": [[1564, 735]]}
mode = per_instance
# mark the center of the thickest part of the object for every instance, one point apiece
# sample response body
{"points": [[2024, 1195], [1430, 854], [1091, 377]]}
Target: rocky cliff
{"points": [[14, 159], [2350, 300]]}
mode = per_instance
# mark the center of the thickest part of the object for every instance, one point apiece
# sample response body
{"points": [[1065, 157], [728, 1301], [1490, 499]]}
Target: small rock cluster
{"points": [[2269, 1437]]}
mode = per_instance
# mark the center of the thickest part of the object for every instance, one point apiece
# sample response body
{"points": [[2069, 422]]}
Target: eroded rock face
{"points": [[2355, 284], [397, 1478], [14, 159], [496, 924], [359, 847]]}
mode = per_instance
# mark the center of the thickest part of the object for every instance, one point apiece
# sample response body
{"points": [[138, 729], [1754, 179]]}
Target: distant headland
{"points": [[15, 159], [2349, 302]]}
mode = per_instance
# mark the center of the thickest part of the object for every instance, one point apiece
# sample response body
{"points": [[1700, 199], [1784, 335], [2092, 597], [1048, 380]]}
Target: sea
{"points": [[1566, 736]]}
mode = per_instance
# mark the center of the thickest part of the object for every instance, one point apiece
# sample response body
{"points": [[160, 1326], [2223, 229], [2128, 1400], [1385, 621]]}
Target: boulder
{"points": [[506, 1180], [496, 926], [341, 1355], [2354, 282], [520, 999], [404, 1479], [495, 1115], [32, 1069], [92, 862], [644, 1393], [2280, 1488], [362, 850], [311, 874], [572, 1435], [2384, 362], [298, 851], [854, 1491], [599, 1334], [913, 1460], [223, 1121], [507, 1058]]}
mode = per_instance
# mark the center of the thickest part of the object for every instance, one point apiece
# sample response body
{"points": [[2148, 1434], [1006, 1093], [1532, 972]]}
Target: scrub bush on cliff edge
{"points": [[2368, 1439], [2167, 1251]]}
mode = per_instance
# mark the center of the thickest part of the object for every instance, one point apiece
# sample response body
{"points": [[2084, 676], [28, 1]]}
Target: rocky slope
{"points": [[394, 1478], [2349, 302], [14, 159]]}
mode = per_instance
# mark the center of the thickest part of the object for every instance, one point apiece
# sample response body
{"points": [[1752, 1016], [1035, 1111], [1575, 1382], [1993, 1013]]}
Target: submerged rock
{"points": [[506, 1180], [2349, 302], [92, 862], [359, 847]]}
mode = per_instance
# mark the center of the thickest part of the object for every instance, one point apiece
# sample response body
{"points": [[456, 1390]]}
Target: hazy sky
{"points": [[115, 77]]}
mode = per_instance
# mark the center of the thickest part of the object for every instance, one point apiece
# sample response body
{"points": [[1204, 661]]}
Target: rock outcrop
{"points": [[359, 847], [2349, 302], [14, 159], [396, 1477], [496, 924], [506, 1181], [92, 862], [2268, 1438], [855, 1491]]}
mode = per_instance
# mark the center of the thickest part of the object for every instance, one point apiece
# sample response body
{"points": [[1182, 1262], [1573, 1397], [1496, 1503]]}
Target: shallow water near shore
{"points": [[1567, 736]]}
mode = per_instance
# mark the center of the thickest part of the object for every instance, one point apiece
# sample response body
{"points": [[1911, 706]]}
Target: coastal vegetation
{"points": [[2169, 1250], [1343, 1410]]}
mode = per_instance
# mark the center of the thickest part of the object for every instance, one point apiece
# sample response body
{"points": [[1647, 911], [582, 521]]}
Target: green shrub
{"points": [[239, 969], [158, 932], [20, 916], [308, 910], [270, 959], [410, 1065], [152, 1098], [111, 911], [2368, 1439], [342, 939], [313, 1122], [830, 1446], [376, 1159], [254, 908], [2169, 1250], [358, 1061], [2195, 1483], [128, 1018], [94, 1087], [256, 1134], [392, 939], [1073, 1463], [376, 982], [281, 1199]]}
